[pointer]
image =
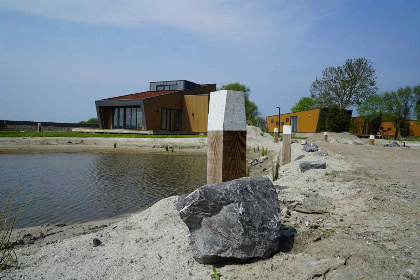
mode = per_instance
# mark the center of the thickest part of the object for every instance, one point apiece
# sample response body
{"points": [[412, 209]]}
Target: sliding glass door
{"points": [[127, 118], [171, 119]]}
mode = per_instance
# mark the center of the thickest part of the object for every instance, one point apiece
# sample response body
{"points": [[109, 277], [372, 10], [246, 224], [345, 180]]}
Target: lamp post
{"points": [[279, 123]]}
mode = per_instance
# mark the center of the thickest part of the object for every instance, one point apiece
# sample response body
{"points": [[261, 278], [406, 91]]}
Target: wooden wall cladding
{"points": [[195, 111]]}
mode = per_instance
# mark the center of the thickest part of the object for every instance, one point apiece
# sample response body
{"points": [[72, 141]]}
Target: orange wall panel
{"points": [[306, 121]]}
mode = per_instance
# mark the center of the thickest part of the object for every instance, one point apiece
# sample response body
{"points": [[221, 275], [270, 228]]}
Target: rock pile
{"points": [[239, 219]]}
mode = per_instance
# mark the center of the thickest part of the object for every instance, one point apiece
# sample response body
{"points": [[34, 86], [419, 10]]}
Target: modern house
{"points": [[386, 128], [309, 121], [167, 106]]}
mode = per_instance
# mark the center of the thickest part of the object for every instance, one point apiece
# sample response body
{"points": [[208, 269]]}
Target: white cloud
{"points": [[219, 19], [237, 20]]}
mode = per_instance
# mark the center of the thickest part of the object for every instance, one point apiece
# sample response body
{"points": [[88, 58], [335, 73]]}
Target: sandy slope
{"points": [[362, 215]]}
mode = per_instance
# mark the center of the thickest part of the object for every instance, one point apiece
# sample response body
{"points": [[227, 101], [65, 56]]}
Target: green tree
{"points": [[262, 124], [346, 85], [416, 91], [90, 121], [251, 108], [305, 103], [371, 110], [397, 106]]}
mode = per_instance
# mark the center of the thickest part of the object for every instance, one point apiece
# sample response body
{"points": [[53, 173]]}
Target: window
{"points": [[287, 119], [381, 128], [389, 128], [171, 119], [166, 87], [128, 118], [272, 120], [282, 123], [277, 122]]}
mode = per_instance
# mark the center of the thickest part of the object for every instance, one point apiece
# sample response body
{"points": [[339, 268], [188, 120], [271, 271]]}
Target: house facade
{"points": [[301, 122], [178, 105]]}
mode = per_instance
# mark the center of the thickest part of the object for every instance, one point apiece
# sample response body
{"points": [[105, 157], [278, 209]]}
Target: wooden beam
{"points": [[287, 145], [226, 141], [372, 140], [276, 135]]}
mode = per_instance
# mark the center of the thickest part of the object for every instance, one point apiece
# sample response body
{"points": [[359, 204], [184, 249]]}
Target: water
{"points": [[72, 188]]}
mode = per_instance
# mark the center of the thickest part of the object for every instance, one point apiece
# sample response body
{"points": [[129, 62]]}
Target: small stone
{"points": [[262, 159], [300, 157], [356, 143], [295, 141], [96, 242], [306, 223], [265, 169], [310, 147], [254, 162], [321, 154], [285, 212], [303, 142]]}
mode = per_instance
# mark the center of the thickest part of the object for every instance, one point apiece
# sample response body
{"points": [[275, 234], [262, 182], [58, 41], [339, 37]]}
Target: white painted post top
{"points": [[227, 111], [372, 137], [276, 130], [325, 133], [287, 129]]}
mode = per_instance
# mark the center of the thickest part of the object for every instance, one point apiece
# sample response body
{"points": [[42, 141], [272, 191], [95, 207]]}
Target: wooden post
{"points": [[287, 144], [276, 135], [325, 136], [226, 141], [372, 140], [39, 127]]}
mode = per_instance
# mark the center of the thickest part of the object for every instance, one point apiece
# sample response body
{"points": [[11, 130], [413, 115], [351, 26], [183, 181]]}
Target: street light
{"points": [[278, 135]]}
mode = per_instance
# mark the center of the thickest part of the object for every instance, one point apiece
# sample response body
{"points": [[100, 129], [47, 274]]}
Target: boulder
{"points": [[239, 219], [306, 165], [262, 159], [310, 147], [321, 154], [392, 144]]}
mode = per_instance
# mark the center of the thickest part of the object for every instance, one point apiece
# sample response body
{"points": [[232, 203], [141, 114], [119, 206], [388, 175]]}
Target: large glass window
{"points": [[127, 117], [171, 119]]}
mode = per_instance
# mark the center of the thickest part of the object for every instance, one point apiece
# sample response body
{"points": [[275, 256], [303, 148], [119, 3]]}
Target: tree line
{"points": [[354, 85]]}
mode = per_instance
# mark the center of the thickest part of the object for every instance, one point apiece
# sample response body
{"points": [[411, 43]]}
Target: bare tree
{"points": [[345, 85]]}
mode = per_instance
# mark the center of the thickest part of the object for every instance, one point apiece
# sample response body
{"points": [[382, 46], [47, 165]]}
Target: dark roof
{"points": [[142, 95], [149, 94]]}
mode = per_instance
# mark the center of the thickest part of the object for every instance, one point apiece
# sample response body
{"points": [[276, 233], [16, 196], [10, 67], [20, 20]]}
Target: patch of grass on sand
{"points": [[411, 139], [293, 137], [87, 135]]}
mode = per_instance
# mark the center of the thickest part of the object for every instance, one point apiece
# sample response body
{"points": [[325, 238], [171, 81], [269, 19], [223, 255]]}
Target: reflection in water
{"points": [[70, 188]]}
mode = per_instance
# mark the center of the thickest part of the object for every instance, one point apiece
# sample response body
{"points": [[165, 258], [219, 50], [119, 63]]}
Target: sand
{"points": [[358, 219]]}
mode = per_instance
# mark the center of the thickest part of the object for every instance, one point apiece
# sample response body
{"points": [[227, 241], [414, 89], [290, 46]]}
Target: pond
{"points": [[72, 188]]}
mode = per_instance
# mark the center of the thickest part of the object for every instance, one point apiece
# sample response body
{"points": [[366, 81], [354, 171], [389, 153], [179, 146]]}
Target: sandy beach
{"points": [[357, 219]]}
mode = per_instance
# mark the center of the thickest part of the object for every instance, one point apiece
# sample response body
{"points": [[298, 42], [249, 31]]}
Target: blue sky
{"points": [[57, 57]]}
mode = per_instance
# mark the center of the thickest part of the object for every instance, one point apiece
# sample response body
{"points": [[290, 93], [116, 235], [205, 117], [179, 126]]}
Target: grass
{"points": [[8, 217], [293, 137], [330, 173], [88, 135]]}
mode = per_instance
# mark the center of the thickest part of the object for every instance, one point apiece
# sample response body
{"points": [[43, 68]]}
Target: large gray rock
{"points": [[392, 144], [310, 147], [239, 219], [306, 165]]}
